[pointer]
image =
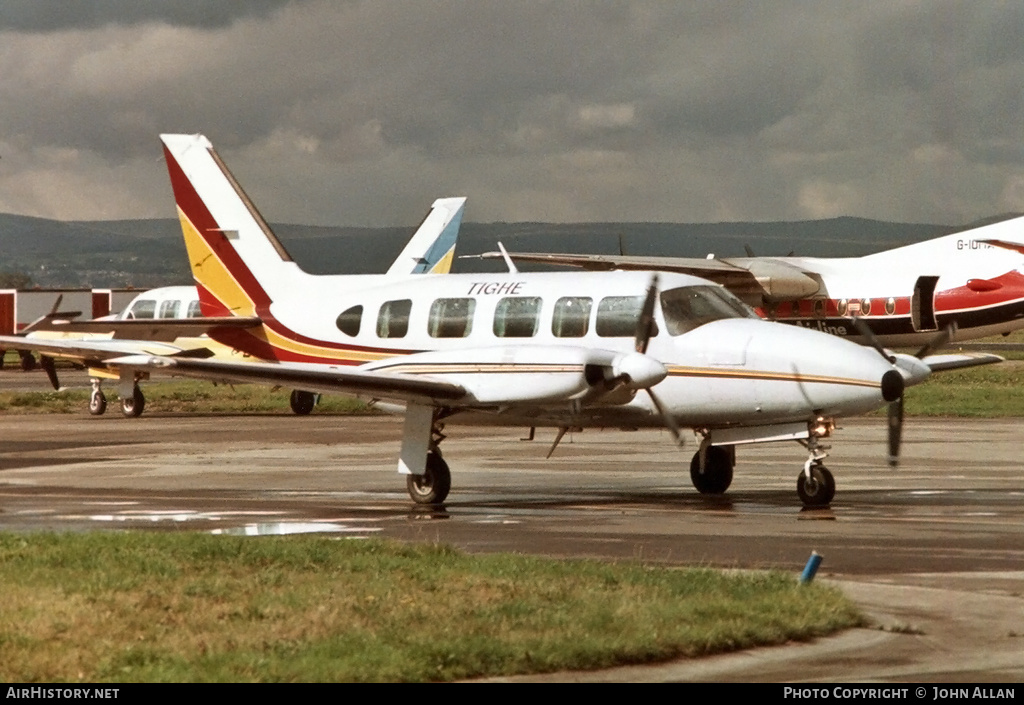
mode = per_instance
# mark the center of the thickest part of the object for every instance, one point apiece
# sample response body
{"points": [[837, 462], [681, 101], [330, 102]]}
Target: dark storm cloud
{"points": [[57, 15], [535, 110]]}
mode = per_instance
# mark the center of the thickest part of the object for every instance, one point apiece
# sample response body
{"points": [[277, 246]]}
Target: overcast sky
{"points": [[361, 113]]}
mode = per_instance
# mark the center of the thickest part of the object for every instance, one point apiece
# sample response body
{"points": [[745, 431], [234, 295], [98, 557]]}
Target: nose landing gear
{"points": [[816, 485]]}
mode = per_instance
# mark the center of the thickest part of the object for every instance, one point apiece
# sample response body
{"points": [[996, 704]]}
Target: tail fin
{"points": [[980, 247], [233, 253], [432, 247]]}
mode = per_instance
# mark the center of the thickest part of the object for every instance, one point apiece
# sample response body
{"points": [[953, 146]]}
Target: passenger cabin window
{"points": [[393, 319], [451, 318], [349, 320], [143, 308], [571, 317], [617, 316], [194, 309], [169, 309], [517, 317], [689, 307]]}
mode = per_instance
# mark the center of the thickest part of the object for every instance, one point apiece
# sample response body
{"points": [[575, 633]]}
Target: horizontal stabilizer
{"points": [[92, 350], [163, 329]]}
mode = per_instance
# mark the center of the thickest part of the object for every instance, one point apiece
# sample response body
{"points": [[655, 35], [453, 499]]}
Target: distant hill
{"points": [[148, 253]]}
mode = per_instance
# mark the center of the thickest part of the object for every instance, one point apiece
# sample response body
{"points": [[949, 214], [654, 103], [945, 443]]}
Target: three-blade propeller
{"points": [[45, 361], [644, 330], [895, 413]]}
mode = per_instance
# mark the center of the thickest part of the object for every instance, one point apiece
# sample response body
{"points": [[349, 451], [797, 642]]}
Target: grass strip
{"points": [[179, 396], [188, 607], [991, 391]]}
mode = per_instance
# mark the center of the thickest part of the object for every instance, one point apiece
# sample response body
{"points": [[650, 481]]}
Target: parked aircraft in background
{"points": [[513, 349], [172, 314], [972, 280]]}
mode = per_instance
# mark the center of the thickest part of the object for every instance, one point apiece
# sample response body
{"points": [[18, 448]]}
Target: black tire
{"points": [[28, 363], [97, 403], [132, 406], [819, 489], [302, 403], [717, 475], [433, 485]]}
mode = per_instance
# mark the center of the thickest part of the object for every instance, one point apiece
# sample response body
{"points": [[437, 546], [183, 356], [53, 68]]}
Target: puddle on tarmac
{"points": [[280, 528]]}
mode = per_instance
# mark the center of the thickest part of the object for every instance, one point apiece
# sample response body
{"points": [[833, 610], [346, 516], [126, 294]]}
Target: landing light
{"points": [[821, 427]]}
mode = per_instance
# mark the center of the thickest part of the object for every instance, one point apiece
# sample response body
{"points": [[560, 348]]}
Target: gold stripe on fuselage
{"points": [[677, 371]]}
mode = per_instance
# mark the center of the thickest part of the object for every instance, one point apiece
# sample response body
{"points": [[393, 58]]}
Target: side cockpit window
{"points": [[393, 319], [571, 317], [194, 309], [143, 308], [689, 307], [350, 320], [451, 318]]}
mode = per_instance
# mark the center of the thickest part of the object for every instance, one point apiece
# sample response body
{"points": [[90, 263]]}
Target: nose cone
{"points": [[833, 376], [892, 385]]}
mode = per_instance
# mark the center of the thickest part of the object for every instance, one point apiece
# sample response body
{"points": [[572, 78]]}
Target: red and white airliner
{"points": [[970, 282]]}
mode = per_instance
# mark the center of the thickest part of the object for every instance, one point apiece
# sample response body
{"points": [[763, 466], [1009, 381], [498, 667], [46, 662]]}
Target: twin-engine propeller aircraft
{"points": [[971, 280], [597, 349], [172, 315]]}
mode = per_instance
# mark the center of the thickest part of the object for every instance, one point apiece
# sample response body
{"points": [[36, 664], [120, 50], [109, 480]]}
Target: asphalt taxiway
{"points": [[933, 551]]}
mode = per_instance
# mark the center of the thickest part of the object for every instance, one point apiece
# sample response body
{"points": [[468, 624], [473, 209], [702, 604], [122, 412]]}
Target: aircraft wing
{"points": [[310, 377], [481, 378], [958, 361], [706, 268], [753, 279], [157, 329], [96, 351], [159, 357]]}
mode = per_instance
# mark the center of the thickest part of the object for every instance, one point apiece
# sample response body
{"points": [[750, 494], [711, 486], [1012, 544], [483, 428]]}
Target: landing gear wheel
{"points": [[433, 485], [819, 489], [302, 402], [97, 403], [717, 475], [132, 406], [28, 363]]}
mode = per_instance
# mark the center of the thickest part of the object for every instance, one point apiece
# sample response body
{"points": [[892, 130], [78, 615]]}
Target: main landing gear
{"points": [[302, 403], [132, 405], [716, 474], [433, 485]]}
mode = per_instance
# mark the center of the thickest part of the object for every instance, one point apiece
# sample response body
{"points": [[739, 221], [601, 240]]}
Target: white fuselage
{"points": [[734, 370]]}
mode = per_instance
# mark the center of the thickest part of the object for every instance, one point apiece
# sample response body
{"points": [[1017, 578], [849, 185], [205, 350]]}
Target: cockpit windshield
{"points": [[689, 307]]}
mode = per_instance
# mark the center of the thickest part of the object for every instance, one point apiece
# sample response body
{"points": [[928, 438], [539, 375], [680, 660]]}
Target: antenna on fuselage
{"points": [[508, 260]]}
